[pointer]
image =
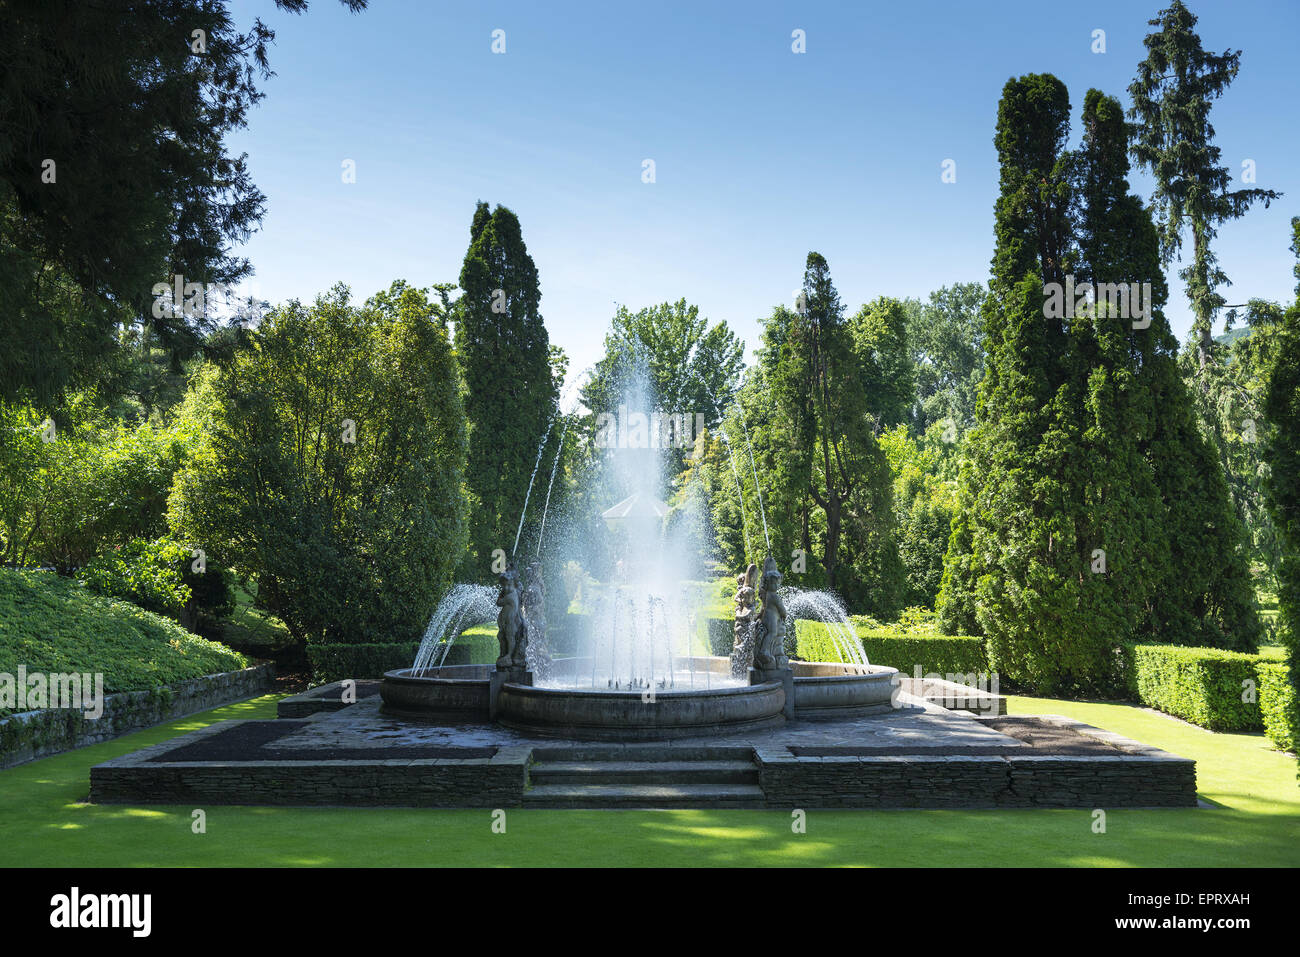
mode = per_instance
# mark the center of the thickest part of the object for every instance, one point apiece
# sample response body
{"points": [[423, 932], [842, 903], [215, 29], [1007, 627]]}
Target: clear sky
{"points": [[761, 154]]}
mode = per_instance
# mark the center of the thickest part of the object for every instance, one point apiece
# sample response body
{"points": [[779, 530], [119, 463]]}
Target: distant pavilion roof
{"points": [[636, 506]]}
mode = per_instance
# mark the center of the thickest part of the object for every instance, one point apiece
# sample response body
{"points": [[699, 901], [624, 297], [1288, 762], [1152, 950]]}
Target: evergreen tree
{"points": [[511, 395], [1032, 243], [814, 426], [132, 103], [1172, 95], [1092, 507], [1282, 452], [1196, 555]]}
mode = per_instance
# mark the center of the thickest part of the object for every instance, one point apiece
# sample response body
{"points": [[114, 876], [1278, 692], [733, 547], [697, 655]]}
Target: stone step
{"points": [[648, 752], [644, 772], [630, 796]]}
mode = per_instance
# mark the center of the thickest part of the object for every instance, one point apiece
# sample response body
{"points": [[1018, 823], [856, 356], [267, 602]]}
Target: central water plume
{"points": [[638, 627]]}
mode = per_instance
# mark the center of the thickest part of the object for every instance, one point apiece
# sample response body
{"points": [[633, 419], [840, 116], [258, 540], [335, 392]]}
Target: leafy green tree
{"points": [[925, 490], [80, 483], [333, 464], [511, 395], [946, 338], [1172, 95], [693, 367], [878, 332], [132, 107]]}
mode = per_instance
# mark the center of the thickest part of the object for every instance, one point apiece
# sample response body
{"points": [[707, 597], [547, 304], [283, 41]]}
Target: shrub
{"points": [[144, 573], [98, 484], [1200, 685], [475, 646], [54, 624], [331, 662], [1277, 705]]}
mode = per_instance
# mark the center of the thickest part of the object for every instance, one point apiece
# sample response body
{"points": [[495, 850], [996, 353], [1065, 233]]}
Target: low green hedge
{"points": [[721, 635], [938, 654], [1205, 686], [55, 625], [331, 662], [475, 646], [1277, 705]]}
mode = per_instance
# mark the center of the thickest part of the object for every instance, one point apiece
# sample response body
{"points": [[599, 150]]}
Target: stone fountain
{"points": [[636, 673]]}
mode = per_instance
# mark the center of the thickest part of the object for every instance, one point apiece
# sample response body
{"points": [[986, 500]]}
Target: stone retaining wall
{"points": [[492, 782], [1141, 776], [37, 734]]}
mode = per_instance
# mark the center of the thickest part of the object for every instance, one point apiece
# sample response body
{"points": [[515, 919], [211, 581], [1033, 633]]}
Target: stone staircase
{"points": [[643, 777]]}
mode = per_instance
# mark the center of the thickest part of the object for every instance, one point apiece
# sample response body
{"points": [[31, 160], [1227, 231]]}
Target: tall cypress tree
{"points": [[1282, 453], [1172, 94], [1195, 553], [1092, 508], [510, 392], [1031, 244]]}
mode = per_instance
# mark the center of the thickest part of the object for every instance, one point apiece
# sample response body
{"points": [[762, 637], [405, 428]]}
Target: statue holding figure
{"points": [[769, 635], [534, 609], [742, 649], [512, 630]]}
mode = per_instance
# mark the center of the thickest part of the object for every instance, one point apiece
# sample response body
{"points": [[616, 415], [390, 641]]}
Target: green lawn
{"points": [[1257, 822]]}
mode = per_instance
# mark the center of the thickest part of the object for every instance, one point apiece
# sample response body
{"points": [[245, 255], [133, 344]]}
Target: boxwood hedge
{"points": [[940, 654], [1206, 686], [1278, 706]]}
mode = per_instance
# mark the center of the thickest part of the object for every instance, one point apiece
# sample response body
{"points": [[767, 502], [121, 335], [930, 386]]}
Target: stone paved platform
{"points": [[918, 755]]}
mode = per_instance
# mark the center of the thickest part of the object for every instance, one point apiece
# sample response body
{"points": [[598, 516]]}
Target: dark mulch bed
{"points": [[1042, 737], [250, 742]]}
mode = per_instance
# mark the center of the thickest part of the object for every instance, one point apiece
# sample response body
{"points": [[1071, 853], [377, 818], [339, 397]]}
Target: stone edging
{"points": [[37, 734]]}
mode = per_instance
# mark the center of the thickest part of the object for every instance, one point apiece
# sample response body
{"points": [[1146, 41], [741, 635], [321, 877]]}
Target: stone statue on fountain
{"points": [[742, 649], [512, 627], [769, 634], [534, 613]]}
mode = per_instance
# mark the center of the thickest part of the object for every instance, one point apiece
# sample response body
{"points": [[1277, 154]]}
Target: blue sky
{"points": [[760, 154]]}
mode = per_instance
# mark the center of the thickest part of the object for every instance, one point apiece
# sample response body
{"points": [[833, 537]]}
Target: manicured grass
{"points": [[1258, 822]]}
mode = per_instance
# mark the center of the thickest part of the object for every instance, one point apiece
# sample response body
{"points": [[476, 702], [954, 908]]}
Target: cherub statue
{"points": [[769, 637], [743, 629], [512, 637]]}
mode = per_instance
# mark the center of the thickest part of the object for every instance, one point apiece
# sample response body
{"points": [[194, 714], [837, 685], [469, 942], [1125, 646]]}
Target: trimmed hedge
{"points": [[1202, 685], [337, 661], [941, 654], [332, 662], [1278, 705], [721, 635], [54, 625]]}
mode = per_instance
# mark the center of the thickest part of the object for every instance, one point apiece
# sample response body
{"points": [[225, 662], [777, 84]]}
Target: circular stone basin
{"points": [[601, 715], [825, 689], [449, 691]]}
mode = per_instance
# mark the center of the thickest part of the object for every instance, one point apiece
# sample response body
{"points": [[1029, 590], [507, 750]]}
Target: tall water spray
{"points": [[637, 630], [463, 606], [826, 609]]}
